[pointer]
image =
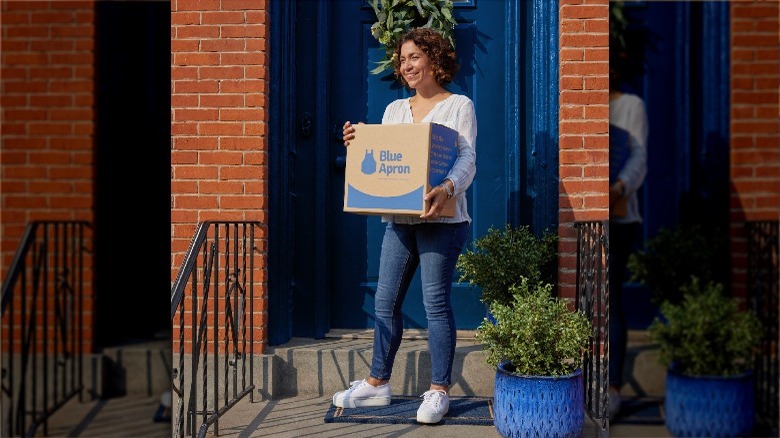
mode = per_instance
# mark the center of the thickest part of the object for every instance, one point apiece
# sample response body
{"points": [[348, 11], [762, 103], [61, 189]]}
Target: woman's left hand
{"points": [[437, 196]]}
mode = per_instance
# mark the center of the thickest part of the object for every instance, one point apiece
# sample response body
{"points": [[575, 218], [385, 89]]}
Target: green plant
{"points": [[394, 17], [707, 333], [617, 23], [671, 257], [497, 260], [536, 333]]}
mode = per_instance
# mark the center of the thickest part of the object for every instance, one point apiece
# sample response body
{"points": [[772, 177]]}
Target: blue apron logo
{"points": [[369, 163]]}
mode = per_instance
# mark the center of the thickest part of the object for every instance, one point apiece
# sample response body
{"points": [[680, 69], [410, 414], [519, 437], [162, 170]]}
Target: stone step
{"points": [[142, 369], [320, 367]]}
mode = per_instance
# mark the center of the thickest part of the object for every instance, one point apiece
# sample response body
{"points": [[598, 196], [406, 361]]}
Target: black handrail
{"points": [[762, 287], [593, 298], [46, 282], [205, 296]]}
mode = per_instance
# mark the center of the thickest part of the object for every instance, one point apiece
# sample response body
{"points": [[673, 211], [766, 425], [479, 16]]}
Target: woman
{"points": [[628, 131], [425, 62]]}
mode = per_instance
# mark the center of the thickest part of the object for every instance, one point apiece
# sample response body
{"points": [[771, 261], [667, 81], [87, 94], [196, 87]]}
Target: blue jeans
{"points": [[622, 240], [435, 247]]}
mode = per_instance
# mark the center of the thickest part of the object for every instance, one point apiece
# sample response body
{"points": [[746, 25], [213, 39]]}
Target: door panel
{"points": [[687, 171], [354, 241]]}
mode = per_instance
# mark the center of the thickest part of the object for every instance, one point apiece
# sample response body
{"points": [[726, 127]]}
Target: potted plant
{"points": [[536, 344], [672, 256], [707, 342], [498, 259]]}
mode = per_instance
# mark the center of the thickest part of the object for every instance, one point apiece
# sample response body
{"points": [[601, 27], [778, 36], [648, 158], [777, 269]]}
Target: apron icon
{"points": [[369, 163]]}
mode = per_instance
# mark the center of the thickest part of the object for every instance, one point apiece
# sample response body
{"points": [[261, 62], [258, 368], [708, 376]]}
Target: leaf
{"points": [[447, 14], [383, 65], [419, 7]]}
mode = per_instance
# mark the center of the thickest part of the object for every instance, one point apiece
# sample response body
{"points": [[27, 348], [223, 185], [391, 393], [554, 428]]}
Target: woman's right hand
{"points": [[349, 132]]}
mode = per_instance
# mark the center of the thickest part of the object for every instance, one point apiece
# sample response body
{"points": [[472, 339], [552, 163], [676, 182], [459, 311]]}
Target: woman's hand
{"points": [[616, 191], [437, 196], [349, 132]]}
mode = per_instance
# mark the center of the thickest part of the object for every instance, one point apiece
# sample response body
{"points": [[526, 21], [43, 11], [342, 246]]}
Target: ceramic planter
{"points": [[709, 406], [538, 406]]}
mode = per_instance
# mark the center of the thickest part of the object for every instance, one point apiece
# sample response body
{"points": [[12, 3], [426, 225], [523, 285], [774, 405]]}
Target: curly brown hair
{"points": [[440, 52]]}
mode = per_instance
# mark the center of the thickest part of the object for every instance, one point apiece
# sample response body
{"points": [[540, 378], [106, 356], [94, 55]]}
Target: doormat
{"points": [[403, 410], [640, 410]]}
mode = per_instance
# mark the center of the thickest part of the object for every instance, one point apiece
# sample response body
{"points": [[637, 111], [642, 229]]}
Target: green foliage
{"points": [[706, 334], [617, 23], [499, 258], [670, 258], [394, 17], [536, 333]]}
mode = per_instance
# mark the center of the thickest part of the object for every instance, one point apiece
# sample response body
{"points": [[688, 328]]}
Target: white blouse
{"points": [[627, 112], [455, 112]]}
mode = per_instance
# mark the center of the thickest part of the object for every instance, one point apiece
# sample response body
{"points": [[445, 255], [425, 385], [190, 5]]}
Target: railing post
{"points": [[763, 274], [592, 297], [227, 311], [46, 279]]}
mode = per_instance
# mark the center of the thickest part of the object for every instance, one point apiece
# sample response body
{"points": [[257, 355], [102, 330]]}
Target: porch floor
{"points": [[303, 414], [290, 417]]}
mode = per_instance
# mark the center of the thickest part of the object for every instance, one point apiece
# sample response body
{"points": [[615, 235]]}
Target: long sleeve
{"points": [[463, 171], [627, 113], [634, 172]]}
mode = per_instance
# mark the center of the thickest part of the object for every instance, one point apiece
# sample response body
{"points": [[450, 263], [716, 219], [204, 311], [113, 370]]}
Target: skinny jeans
{"points": [[622, 240], [435, 248]]}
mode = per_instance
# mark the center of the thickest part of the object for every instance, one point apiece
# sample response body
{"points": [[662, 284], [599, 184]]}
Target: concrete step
{"points": [[140, 369], [321, 367]]}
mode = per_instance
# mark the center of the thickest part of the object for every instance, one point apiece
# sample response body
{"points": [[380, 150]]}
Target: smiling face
{"points": [[425, 50], [416, 66]]}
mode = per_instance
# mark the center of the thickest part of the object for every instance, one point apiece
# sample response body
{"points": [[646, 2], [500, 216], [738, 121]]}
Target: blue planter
{"points": [[709, 406], [538, 406]]}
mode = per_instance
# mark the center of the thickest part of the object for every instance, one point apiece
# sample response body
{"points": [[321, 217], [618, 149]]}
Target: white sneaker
{"points": [[362, 393], [435, 404]]}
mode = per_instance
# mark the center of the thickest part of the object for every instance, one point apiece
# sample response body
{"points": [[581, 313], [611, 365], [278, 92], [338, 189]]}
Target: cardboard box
{"points": [[391, 167]]}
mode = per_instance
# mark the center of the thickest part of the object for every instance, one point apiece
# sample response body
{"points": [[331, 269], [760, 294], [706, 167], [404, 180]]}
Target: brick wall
{"points": [[583, 125], [219, 147], [47, 145], [755, 124]]}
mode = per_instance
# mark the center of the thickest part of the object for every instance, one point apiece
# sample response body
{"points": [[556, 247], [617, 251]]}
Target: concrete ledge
{"points": [[139, 369], [323, 367]]}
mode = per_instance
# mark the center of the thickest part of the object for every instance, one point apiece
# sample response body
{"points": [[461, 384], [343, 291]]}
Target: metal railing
{"points": [[593, 298], [42, 299], [213, 296], [763, 277]]}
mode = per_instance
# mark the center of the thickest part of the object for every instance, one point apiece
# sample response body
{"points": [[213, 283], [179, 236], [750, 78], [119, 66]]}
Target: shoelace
{"points": [[433, 396], [354, 385]]}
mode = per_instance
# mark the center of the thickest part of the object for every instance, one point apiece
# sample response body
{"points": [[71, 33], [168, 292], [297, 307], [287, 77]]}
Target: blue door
{"points": [[358, 95], [686, 92], [323, 263]]}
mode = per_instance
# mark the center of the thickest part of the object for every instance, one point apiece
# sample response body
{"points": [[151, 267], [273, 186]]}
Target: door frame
{"points": [[532, 196]]}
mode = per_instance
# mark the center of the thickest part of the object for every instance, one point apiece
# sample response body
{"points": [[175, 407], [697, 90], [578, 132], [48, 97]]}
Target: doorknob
{"points": [[338, 134], [306, 121]]}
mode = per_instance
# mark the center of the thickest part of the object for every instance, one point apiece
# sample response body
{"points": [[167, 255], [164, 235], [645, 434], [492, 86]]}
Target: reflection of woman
{"points": [[426, 63], [628, 123]]}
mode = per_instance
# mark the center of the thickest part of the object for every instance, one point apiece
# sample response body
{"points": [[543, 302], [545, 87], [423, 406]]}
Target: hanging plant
{"points": [[394, 17]]}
